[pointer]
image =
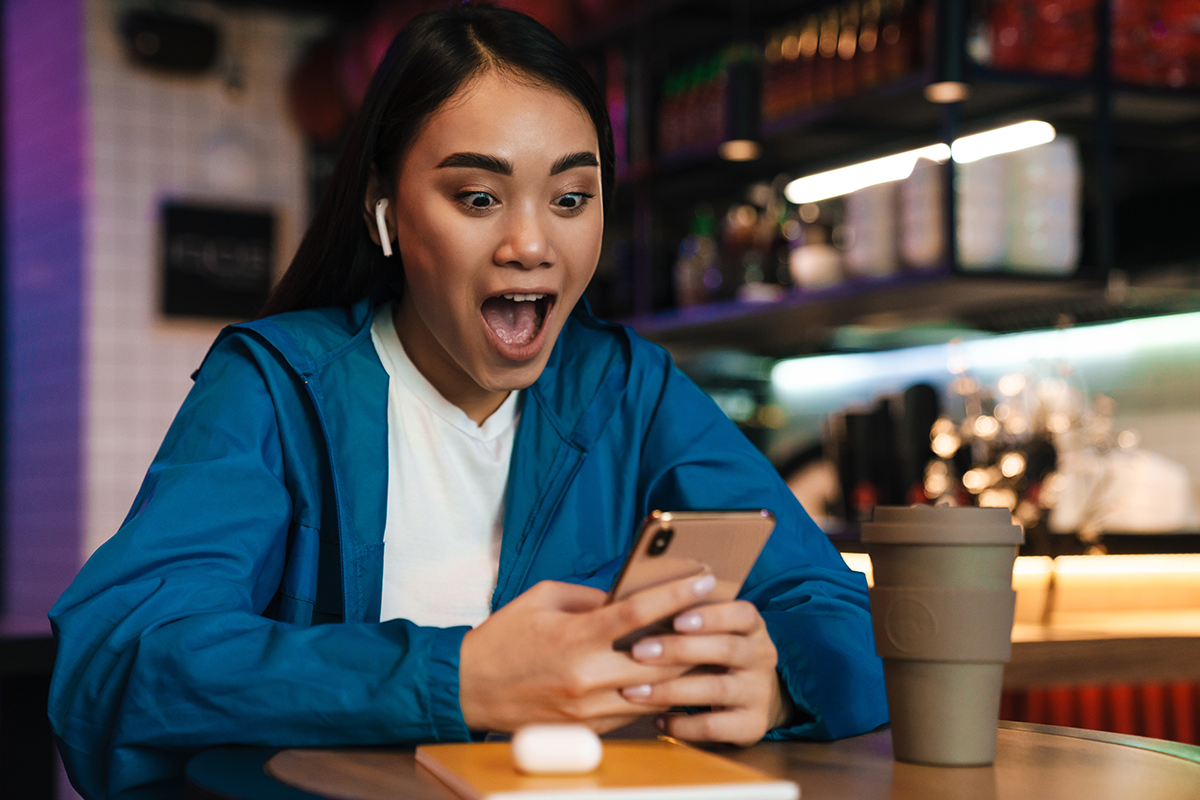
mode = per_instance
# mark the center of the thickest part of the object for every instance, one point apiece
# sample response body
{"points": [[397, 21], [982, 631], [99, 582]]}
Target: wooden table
{"points": [[1032, 761]]}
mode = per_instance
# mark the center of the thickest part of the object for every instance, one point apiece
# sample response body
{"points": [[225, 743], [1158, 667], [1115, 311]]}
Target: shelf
{"points": [[802, 321], [894, 116], [1137, 145]]}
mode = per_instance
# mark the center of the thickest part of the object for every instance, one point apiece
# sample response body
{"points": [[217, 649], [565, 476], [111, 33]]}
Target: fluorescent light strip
{"points": [[845, 180], [858, 176], [1002, 140], [1105, 343]]}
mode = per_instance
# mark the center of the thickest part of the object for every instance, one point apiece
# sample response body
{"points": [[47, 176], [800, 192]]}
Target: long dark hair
{"points": [[337, 264]]}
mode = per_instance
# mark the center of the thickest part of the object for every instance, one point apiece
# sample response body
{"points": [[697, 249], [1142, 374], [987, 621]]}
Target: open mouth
{"points": [[516, 319]]}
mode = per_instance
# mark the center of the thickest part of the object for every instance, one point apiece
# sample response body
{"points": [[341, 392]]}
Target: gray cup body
{"points": [[942, 608]]}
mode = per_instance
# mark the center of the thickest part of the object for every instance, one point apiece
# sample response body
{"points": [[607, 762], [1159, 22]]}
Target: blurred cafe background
{"points": [[920, 251]]}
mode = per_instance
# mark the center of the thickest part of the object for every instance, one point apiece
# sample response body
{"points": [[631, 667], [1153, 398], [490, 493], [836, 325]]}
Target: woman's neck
{"points": [[437, 367]]}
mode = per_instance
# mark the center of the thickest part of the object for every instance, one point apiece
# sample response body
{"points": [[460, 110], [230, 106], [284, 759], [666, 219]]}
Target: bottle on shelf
{"points": [[706, 111], [1020, 211], [814, 261], [1043, 208], [670, 114], [782, 227], [691, 101], [836, 52], [825, 86], [845, 73], [980, 194], [618, 106], [871, 231], [774, 88], [922, 218], [693, 106], [758, 264], [789, 72], [697, 272], [900, 45], [736, 245], [867, 71]]}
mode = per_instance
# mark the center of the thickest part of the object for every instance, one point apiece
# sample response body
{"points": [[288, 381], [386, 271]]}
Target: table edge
{"points": [[1187, 752], [199, 780]]}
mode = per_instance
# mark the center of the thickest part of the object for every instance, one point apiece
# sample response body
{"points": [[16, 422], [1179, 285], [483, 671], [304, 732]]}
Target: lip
{"points": [[524, 352]]}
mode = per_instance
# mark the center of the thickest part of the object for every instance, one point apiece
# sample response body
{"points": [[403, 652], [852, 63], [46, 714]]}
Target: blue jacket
{"points": [[262, 516]]}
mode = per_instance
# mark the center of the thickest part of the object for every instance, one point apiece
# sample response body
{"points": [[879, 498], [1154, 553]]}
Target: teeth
{"points": [[524, 298]]}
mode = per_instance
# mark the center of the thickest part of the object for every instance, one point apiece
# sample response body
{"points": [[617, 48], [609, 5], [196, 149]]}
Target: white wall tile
{"points": [[150, 136]]}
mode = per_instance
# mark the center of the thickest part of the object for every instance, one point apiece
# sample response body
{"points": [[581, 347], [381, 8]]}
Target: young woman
{"points": [[389, 510]]}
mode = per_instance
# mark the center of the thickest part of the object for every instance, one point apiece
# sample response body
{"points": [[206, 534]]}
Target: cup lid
{"points": [[922, 524]]}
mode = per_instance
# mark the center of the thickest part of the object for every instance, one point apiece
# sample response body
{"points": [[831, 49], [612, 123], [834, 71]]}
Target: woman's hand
{"points": [[735, 657], [548, 657]]}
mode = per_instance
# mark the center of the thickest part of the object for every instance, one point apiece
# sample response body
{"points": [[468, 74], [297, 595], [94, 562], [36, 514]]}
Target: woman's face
{"points": [[498, 219]]}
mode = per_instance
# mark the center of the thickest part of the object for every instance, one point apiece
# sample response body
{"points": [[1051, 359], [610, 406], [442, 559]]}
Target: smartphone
{"points": [[676, 544]]}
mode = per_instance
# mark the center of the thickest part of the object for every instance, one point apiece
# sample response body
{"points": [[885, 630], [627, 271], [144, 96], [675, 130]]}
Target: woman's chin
{"points": [[511, 378]]}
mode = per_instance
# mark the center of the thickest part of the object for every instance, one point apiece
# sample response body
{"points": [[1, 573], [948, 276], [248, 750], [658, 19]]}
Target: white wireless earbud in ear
{"points": [[385, 239]]}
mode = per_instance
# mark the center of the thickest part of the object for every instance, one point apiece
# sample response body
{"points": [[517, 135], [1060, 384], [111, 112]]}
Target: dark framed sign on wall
{"points": [[216, 260]]}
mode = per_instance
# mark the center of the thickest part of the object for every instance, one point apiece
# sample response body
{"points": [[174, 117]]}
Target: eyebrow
{"points": [[581, 159], [502, 166], [477, 161]]}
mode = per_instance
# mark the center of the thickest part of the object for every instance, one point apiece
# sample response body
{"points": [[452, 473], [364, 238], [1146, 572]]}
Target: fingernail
{"points": [[704, 584], [660, 723], [637, 691], [646, 649], [688, 622]]}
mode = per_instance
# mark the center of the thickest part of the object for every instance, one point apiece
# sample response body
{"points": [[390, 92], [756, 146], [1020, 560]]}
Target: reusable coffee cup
{"points": [[942, 609]]}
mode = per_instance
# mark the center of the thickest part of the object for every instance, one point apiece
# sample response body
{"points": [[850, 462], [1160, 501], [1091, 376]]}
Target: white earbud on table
{"points": [[556, 749]]}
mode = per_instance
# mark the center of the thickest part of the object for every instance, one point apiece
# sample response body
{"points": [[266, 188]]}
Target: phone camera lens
{"points": [[659, 543]]}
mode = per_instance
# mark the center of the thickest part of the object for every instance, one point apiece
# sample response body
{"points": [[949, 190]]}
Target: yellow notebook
{"points": [[660, 769]]}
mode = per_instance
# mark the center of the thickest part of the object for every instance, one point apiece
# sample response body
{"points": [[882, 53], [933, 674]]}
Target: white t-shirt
{"points": [[445, 496]]}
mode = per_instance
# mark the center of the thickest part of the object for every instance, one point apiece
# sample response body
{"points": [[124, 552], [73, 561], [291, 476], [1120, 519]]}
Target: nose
{"points": [[525, 241]]}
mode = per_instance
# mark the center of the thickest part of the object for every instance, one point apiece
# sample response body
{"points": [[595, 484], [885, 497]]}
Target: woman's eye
{"points": [[573, 201], [476, 201]]}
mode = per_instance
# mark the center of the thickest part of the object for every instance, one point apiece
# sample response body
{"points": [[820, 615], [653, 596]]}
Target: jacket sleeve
{"points": [[815, 608], [163, 648]]}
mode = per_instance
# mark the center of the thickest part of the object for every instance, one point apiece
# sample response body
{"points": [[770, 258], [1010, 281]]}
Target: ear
{"points": [[375, 193]]}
